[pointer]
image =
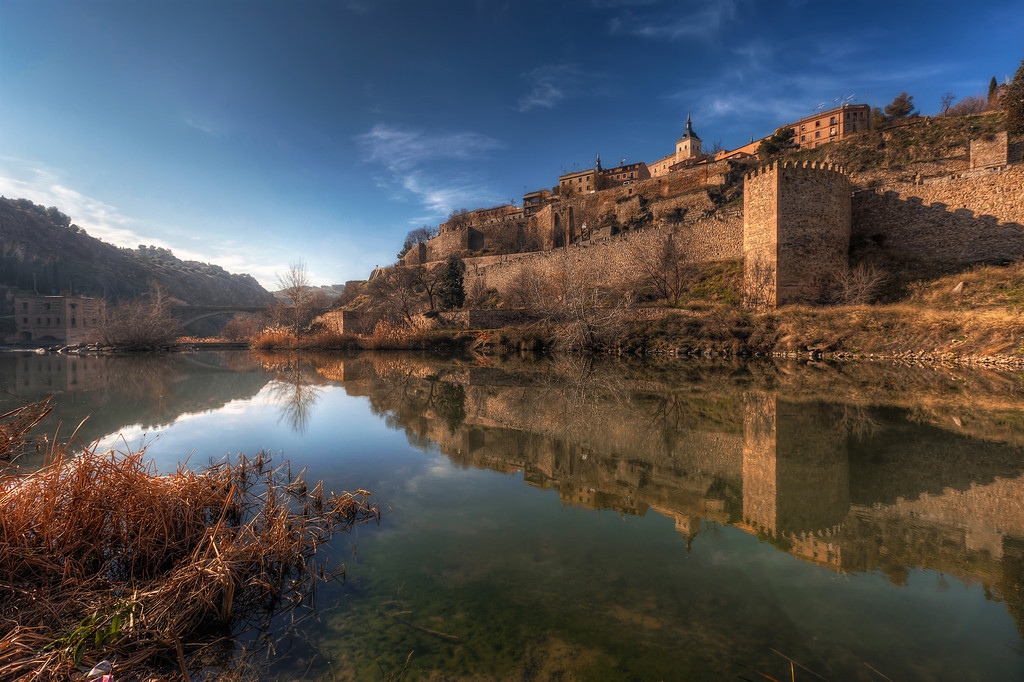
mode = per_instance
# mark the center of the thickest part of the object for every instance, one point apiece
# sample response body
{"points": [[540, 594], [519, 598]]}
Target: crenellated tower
{"points": [[796, 232]]}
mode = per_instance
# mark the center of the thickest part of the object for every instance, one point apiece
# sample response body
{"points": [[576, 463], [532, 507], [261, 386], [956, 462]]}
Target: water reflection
{"points": [[853, 469], [856, 469]]}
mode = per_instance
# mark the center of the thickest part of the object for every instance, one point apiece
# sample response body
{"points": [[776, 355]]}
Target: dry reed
{"points": [[16, 424], [101, 557]]}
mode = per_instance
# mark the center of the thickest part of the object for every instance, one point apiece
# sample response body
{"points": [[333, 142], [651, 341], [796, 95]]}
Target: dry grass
{"points": [[16, 424], [273, 337], [984, 286], [101, 557]]}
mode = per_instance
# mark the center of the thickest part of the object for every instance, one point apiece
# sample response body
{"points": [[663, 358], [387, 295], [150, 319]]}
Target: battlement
{"points": [[777, 166], [796, 231]]}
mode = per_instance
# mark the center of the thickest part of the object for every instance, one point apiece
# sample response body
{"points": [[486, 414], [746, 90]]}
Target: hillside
{"points": [[41, 250]]}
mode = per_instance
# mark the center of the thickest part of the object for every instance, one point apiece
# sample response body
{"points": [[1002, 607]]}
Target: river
{"points": [[549, 518]]}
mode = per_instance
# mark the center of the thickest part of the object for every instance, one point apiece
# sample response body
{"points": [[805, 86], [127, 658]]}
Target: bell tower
{"points": [[688, 146]]}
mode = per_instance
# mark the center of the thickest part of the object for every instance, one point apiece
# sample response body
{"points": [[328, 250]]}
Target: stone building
{"points": [[687, 152], [57, 319], [829, 126]]}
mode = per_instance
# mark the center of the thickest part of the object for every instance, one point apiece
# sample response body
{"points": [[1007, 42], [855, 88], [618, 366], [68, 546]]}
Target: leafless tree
{"points": [[663, 265], [458, 218], [527, 288], [582, 314], [295, 289], [397, 293], [860, 284], [759, 276], [945, 103], [142, 323]]}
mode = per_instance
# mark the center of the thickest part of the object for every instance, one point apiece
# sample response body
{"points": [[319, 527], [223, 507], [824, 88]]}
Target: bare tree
{"points": [[141, 323], [860, 284], [759, 283], [527, 288], [417, 236], [295, 288], [945, 103], [582, 314], [397, 292], [662, 264]]}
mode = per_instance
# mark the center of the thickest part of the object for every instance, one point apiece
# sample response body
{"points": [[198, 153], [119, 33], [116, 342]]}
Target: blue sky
{"points": [[253, 134]]}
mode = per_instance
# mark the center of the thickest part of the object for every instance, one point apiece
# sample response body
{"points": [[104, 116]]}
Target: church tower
{"points": [[688, 146]]}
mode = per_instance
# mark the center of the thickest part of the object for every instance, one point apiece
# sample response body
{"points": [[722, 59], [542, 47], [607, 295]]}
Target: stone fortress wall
{"points": [[964, 217], [796, 230], [794, 235]]}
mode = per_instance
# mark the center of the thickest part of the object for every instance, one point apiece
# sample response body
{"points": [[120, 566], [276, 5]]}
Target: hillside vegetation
{"points": [[41, 250]]}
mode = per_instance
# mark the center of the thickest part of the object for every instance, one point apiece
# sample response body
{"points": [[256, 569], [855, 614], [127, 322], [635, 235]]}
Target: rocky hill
{"points": [[41, 250]]}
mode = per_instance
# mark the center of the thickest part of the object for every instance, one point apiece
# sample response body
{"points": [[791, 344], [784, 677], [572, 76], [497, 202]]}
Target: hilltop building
{"points": [[687, 152], [829, 126], [57, 319], [814, 131]]}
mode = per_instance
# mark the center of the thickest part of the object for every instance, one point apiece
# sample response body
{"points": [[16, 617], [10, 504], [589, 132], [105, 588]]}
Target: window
{"points": [[73, 322], [817, 134], [24, 306], [803, 137], [817, 124], [24, 320], [832, 130], [832, 121], [803, 127]]}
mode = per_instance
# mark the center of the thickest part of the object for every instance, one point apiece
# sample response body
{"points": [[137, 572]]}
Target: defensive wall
{"points": [[796, 231], [612, 258], [798, 219], [967, 217]]}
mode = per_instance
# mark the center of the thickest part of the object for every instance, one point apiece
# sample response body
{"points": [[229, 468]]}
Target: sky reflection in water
{"points": [[710, 516]]}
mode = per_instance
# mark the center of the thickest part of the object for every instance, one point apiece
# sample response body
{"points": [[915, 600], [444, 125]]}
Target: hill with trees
{"points": [[41, 250]]}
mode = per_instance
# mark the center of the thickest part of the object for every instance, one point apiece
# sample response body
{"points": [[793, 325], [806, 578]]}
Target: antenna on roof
{"points": [[821, 106]]}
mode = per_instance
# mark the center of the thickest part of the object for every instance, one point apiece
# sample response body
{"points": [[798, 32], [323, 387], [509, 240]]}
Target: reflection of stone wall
{"points": [[795, 472], [42, 373], [852, 488]]}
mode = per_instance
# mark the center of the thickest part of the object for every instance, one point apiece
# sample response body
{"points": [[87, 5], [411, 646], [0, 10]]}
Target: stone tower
{"points": [[688, 146], [796, 232]]}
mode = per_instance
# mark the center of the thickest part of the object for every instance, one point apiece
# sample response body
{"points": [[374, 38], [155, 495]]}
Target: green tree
{"points": [[993, 93], [451, 290], [902, 106], [770, 146], [1013, 103]]}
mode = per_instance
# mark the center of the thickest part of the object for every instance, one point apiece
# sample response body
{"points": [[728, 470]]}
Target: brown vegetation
{"points": [[101, 557]]}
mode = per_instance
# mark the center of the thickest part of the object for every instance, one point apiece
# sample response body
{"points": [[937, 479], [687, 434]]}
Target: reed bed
{"points": [[103, 558], [16, 424]]}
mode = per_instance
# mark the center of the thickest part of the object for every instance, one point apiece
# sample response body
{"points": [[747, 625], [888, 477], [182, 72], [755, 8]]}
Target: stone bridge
{"points": [[188, 314]]}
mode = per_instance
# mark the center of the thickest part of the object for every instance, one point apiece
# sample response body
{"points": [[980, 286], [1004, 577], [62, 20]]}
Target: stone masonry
{"points": [[796, 231], [794, 235]]}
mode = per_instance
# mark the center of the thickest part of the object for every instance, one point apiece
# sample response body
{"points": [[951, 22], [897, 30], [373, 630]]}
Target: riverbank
{"points": [[112, 566]]}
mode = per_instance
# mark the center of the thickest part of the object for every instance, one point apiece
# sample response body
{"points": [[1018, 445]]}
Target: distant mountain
{"points": [[41, 250]]}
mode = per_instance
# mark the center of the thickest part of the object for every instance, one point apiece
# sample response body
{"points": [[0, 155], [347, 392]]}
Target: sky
{"points": [[256, 134]]}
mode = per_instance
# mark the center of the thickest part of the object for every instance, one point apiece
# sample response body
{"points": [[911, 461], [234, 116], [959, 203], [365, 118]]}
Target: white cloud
{"points": [[551, 84], [694, 20], [20, 179], [411, 158]]}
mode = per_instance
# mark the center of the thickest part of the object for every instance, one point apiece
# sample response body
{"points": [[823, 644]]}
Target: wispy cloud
{"points": [[696, 19], [20, 179], [549, 85], [412, 159]]}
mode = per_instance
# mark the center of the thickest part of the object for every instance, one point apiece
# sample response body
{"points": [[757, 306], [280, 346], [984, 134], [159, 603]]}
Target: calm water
{"points": [[550, 519]]}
